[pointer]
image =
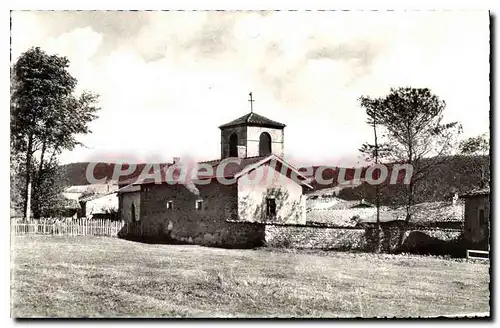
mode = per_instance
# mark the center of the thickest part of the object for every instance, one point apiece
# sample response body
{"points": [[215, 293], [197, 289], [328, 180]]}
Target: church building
{"points": [[209, 211]]}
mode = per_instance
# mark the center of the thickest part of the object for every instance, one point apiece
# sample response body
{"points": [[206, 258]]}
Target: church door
{"points": [[264, 144]]}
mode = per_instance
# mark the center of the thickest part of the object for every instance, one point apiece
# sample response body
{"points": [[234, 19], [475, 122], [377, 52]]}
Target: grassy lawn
{"points": [[99, 276]]}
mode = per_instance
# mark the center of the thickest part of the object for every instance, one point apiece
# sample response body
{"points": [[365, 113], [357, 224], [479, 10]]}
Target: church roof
{"points": [[234, 168], [253, 119]]}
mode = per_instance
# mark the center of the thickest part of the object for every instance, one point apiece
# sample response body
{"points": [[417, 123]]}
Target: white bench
{"points": [[472, 252]]}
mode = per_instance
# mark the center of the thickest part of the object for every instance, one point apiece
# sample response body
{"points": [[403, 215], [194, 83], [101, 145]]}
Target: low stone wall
{"points": [[228, 235], [244, 235], [419, 240], [415, 240], [314, 237]]}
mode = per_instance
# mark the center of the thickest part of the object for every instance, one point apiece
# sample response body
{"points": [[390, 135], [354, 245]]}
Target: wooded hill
{"points": [[457, 174]]}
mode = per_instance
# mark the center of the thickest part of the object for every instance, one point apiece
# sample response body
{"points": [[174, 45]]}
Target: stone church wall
{"points": [[241, 132], [185, 224], [252, 197]]}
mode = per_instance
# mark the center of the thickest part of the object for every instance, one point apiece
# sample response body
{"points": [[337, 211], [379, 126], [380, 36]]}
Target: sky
{"points": [[167, 80]]}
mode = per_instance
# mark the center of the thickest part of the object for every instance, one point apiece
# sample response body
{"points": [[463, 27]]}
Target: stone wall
{"points": [[311, 237], [184, 223], [476, 233], [241, 132], [125, 205], [265, 182], [418, 240]]}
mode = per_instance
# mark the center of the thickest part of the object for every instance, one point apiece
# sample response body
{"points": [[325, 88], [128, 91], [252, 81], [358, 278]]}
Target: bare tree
{"points": [[372, 153]]}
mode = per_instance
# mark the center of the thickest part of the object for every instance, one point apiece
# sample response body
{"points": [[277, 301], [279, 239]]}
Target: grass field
{"points": [[100, 276]]}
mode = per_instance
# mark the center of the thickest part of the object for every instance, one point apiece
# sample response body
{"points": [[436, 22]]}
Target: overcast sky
{"points": [[167, 80]]}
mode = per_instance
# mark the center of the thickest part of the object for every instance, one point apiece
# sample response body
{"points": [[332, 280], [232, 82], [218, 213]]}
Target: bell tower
{"points": [[252, 135]]}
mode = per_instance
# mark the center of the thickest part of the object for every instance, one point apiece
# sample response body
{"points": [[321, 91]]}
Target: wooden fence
{"points": [[78, 227]]}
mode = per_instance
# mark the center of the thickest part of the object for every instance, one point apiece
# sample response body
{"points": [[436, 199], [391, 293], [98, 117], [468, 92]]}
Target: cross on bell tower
{"points": [[251, 102], [251, 135]]}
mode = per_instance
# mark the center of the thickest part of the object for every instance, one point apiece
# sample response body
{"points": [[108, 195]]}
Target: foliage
{"points": [[414, 132], [46, 118], [16, 183], [47, 194], [456, 174], [374, 152], [479, 145]]}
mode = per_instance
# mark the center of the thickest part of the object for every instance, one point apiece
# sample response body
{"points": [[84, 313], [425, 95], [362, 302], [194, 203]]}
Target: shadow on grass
{"points": [[166, 239], [420, 243]]}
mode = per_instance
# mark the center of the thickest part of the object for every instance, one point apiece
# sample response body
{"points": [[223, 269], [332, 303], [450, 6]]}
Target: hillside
{"points": [[458, 174], [75, 173]]}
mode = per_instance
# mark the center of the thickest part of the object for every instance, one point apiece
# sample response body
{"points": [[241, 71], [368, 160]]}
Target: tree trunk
{"points": [[482, 180], [409, 204], [409, 199], [377, 225], [27, 190], [38, 184], [377, 193]]}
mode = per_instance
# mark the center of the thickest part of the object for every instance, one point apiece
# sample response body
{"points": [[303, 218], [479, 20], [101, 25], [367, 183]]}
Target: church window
{"points": [[264, 144], [198, 205], [233, 145], [271, 207]]}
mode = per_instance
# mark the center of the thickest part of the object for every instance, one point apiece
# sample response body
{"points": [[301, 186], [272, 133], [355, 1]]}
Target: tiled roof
{"points": [[324, 192], [253, 119], [335, 203], [348, 217], [96, 196], [230, 169], [477, 192], [132, 177], [332, 218]]}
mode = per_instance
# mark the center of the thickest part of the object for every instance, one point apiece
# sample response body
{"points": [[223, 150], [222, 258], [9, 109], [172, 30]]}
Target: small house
{"points": [[477, 218]]}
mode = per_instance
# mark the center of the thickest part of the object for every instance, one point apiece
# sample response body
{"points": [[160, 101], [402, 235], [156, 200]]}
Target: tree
{"points": [[47, 192], [372, 153], [477, 146], [16, 183], [412, 120], [46, 115]]}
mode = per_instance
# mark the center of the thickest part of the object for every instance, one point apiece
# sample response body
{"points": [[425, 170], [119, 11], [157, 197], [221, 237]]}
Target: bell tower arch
{"points": [[252, 135]]}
